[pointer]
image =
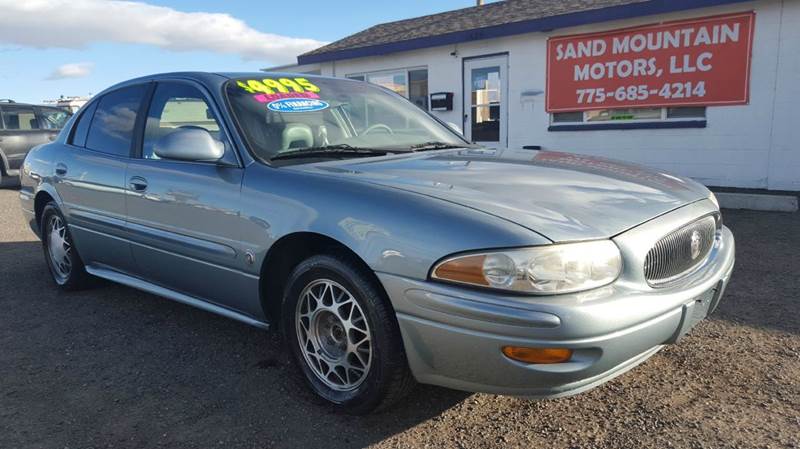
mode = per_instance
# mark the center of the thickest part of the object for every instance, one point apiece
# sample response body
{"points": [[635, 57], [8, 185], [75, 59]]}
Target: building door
{"points": [[486, 100]]}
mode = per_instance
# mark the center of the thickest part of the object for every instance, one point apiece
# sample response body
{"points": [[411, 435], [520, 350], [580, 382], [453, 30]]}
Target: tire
{"points": [[8, 181], [65, 265], [343, 335]]}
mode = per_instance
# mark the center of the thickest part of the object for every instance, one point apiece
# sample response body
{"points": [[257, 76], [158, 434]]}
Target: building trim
{"points": [[636, 125], [629, 11]]}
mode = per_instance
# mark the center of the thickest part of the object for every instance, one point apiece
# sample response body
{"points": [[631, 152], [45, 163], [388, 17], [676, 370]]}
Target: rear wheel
{"points": [[343, 335], [6, 180], [66, 266]]}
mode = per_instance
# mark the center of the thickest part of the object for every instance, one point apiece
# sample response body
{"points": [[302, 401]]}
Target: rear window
{"points": [[111, 130]]}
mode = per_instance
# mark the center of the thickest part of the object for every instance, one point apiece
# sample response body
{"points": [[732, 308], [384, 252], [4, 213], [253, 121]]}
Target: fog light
{"points": [[537, 355]]}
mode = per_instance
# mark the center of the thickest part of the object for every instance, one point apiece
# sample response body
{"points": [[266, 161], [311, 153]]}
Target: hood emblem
{"points": [[694, 244]]}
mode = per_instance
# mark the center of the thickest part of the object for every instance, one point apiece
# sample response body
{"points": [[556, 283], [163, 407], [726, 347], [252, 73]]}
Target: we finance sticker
{"points": [[297, 105]]}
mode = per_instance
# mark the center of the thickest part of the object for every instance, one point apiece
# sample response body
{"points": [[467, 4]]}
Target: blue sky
{"points": [[76, 47]]}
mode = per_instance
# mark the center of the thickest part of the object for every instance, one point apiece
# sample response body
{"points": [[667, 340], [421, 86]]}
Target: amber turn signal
{"points": [[537, 355], [468, 270]]}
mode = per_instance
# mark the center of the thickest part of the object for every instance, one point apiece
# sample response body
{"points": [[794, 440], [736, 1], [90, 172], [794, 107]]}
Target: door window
{"points": [[486, 97], [20, 118], [54, 118], [174, 106], [112, 127]]}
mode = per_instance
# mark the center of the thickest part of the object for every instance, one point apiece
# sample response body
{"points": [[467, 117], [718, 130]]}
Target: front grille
{"points": [[672, 256]]}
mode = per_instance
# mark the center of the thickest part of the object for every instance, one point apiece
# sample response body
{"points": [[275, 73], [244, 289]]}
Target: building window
{"points": [[394, 81], [418, 87], [410, 83], [630, 115]]}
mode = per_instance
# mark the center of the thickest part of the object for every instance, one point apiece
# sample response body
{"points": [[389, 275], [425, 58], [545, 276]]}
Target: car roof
{"points": [[215, 77], [6, 102], [233, 75]]}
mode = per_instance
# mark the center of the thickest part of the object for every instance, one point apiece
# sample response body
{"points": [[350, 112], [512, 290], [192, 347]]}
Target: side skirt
{"points": [[140, 284]]}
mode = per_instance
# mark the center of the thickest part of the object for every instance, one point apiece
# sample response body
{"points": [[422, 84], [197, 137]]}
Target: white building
{"points": [[72, 103], [731, 122]]}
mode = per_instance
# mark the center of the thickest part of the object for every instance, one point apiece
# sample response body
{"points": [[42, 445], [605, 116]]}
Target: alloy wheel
{"points": [[59, 248], [333, 334]]}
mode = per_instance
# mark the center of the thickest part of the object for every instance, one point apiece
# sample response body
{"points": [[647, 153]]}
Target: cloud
{"points": [[74, 70], [77, 23]]}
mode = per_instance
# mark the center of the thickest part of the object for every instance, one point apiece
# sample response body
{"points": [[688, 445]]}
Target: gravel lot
{"points": [[114, 367]]}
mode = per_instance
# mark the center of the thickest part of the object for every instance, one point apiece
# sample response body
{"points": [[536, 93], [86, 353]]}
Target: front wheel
{"points": [[343, 335]]}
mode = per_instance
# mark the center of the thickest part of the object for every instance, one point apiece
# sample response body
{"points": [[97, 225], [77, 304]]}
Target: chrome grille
{"points": [[671, 257]]}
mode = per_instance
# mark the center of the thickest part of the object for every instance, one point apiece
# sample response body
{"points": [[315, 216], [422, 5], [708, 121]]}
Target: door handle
{"points": [[61, 169], [138, 184], [51, 137]]}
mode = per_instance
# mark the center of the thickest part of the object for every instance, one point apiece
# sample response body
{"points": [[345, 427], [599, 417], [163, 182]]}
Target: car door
{"points": [[183, 215], [89, 175], [21, 132]]}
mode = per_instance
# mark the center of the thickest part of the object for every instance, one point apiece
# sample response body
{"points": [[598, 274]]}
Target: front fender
{"points": [[392, 231]]}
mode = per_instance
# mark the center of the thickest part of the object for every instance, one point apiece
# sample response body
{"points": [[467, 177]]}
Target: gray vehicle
{"points": [[386, 248], [22, 127]]}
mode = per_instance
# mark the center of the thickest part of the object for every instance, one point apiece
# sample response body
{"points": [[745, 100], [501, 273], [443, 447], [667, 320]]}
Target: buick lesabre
{"points": [[386, 248]]}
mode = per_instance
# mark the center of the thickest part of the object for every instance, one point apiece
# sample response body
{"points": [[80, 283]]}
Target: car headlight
{"points": [[713, 198], [550, 269]]}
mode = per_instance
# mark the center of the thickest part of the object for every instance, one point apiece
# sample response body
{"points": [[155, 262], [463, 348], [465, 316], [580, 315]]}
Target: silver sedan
{"points": [[385, 247]]}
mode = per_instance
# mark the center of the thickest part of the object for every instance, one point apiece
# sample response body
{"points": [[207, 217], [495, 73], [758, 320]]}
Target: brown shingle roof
{"points": [[502, 18], [492, 14]]}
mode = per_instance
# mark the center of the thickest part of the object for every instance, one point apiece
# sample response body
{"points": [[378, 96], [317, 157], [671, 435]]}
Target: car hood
{"points": [[562, 196]]}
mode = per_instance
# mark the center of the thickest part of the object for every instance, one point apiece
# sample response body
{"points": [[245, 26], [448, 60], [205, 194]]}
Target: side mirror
{"points": [[455, 128], [189, 143]]}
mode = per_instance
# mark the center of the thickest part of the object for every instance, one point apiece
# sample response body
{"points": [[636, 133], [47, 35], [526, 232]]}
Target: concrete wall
{"points": [[784, 160], [754, 146]]}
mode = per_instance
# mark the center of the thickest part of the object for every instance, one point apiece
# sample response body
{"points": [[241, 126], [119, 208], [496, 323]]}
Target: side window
{"points": [[81, 128], [176, 105], [111, 130], [53, 118], [20, 118]]}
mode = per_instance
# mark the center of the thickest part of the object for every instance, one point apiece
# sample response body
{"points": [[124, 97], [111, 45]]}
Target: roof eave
{"points": [[608, 14]]}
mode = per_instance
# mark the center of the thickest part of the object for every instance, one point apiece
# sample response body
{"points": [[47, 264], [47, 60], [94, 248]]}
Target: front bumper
{"points": [[453, 336]]}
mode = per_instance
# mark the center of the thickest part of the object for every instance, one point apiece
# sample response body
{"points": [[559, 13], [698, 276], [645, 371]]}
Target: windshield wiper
{"points": [[329, 150], [435, 145]]}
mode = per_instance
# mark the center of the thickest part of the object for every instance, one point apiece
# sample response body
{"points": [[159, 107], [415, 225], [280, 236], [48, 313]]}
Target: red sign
{"points": [[690, 62]]}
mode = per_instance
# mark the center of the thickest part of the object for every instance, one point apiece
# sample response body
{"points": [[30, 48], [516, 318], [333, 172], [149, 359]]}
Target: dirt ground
{"points": [[114, 367]]}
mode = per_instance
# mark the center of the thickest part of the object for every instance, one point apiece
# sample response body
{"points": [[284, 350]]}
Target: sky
{"points": [[50, 48]]}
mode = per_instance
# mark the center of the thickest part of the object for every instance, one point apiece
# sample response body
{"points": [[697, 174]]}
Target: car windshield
{"points": [[290, 114], [55, 118]]}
